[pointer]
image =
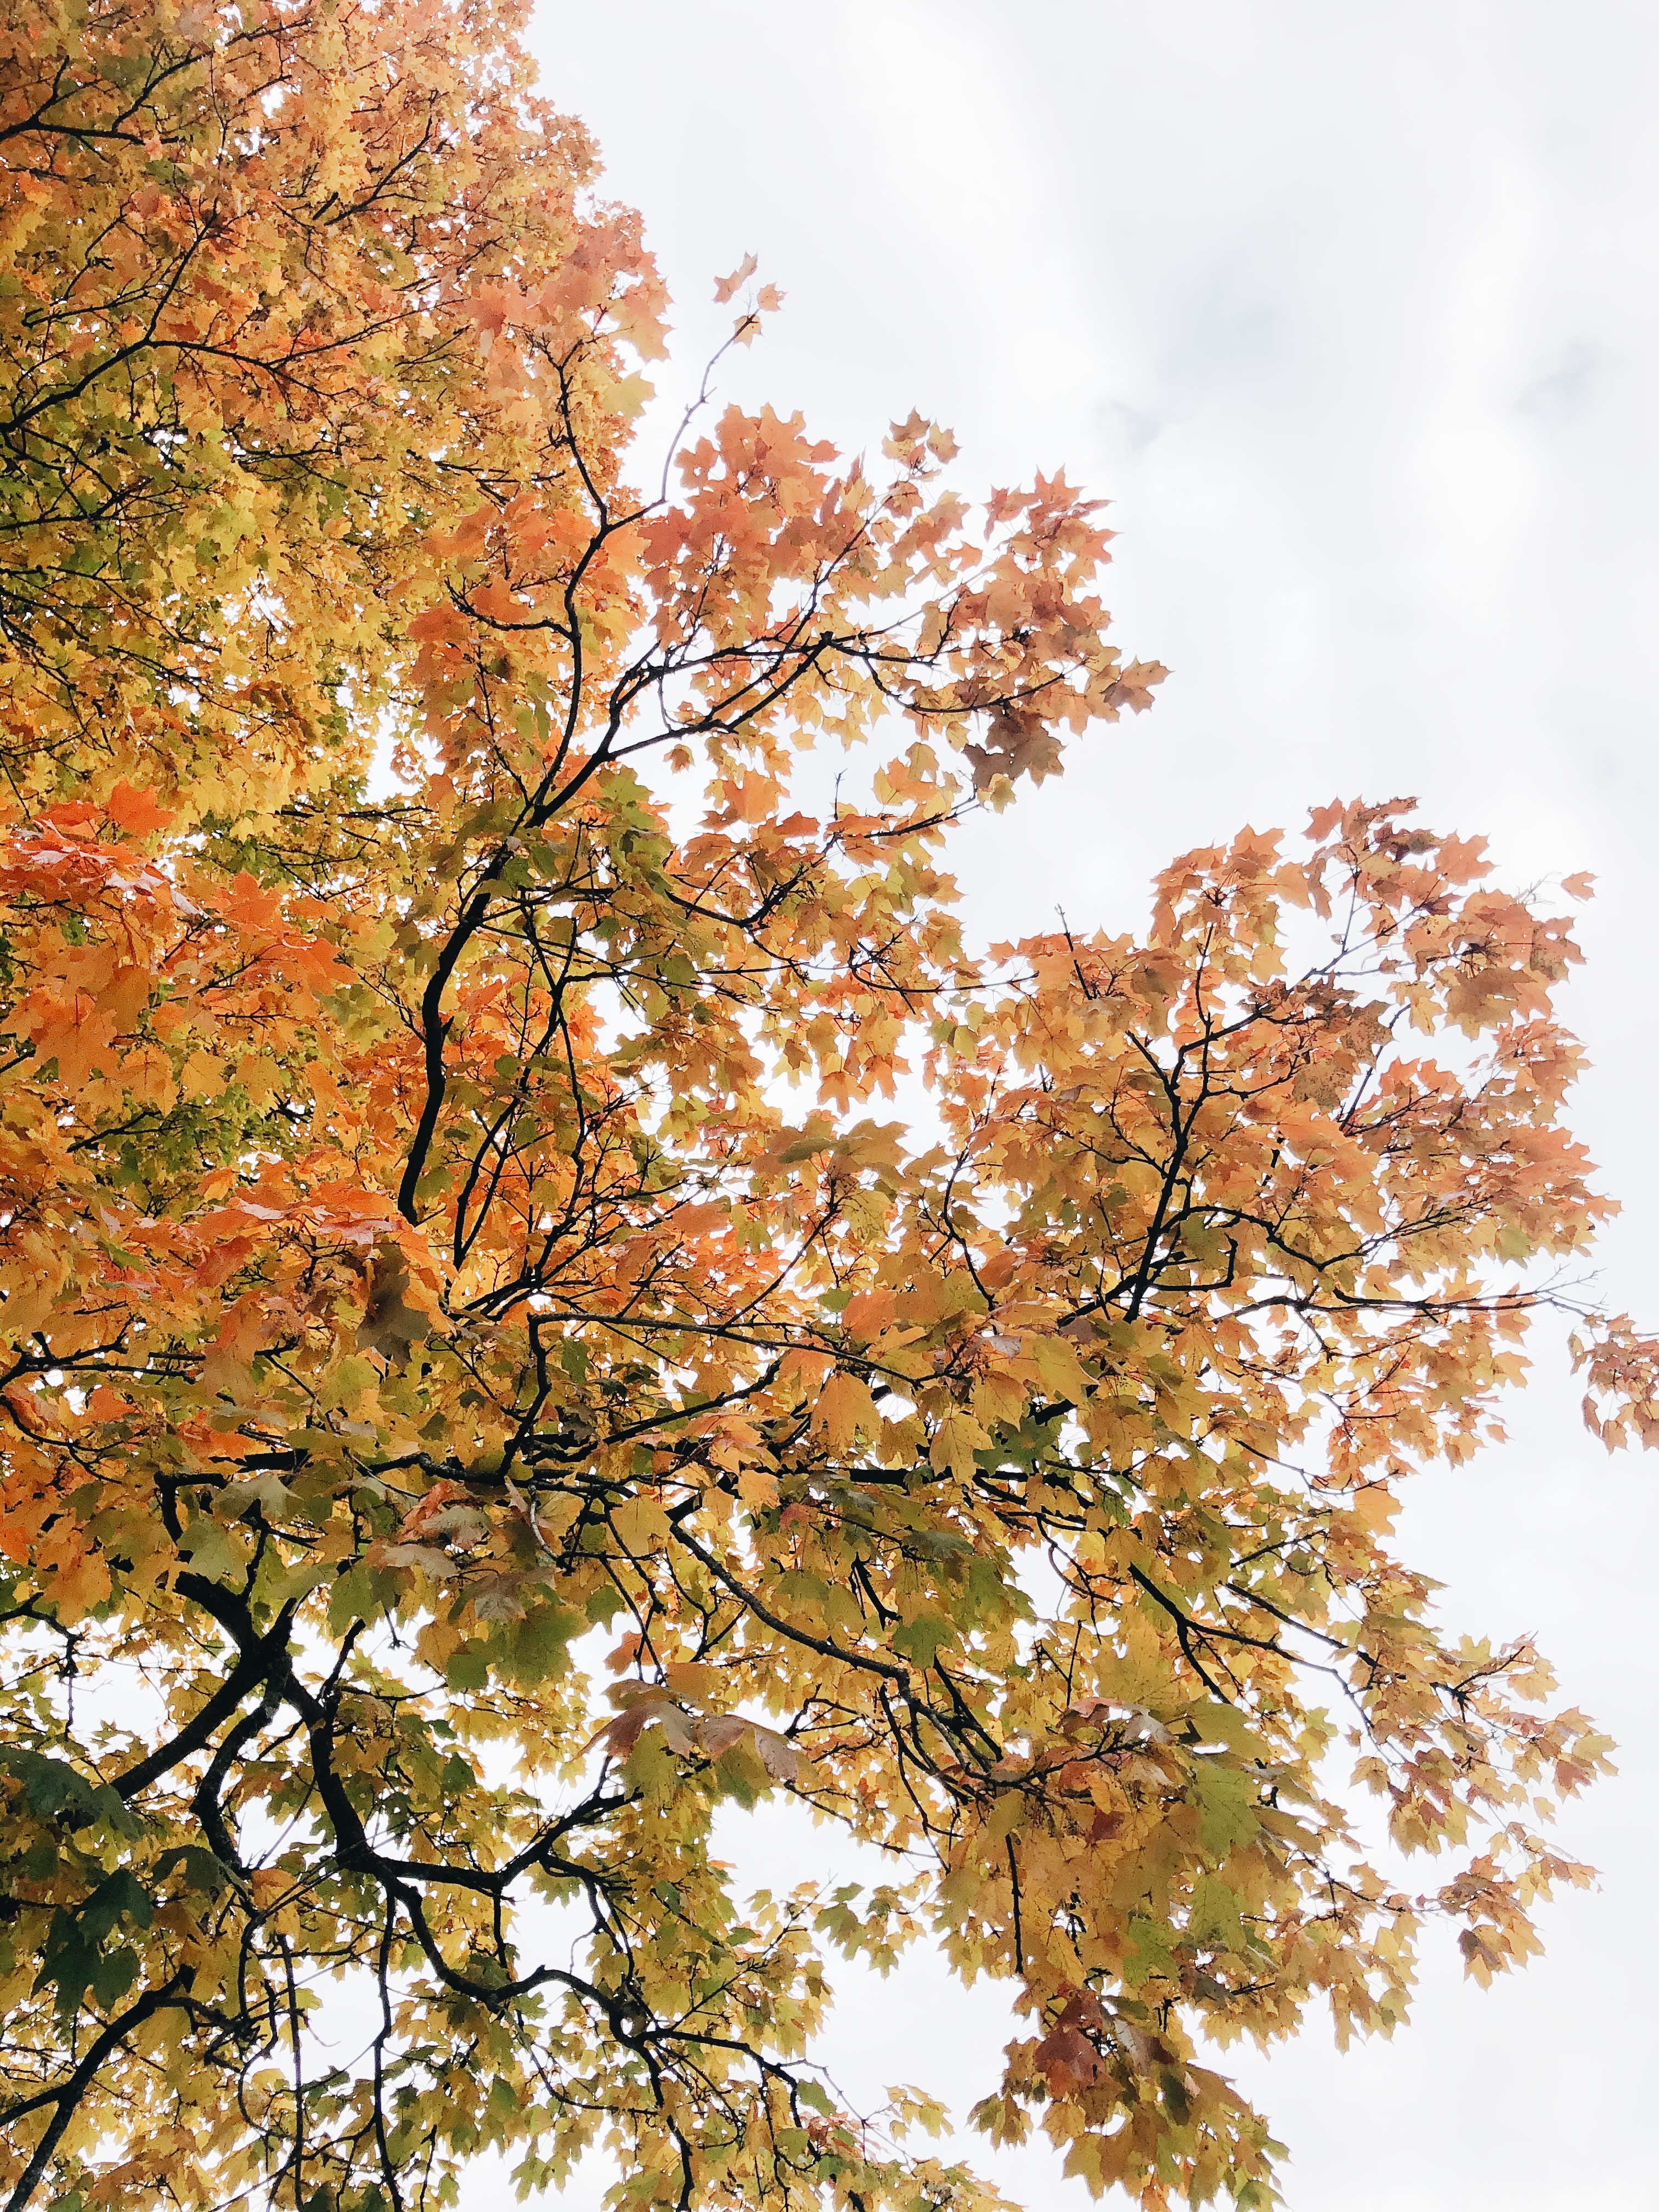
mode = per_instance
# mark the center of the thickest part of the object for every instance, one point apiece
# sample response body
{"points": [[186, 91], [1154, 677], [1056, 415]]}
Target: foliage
{"points": [[484, 1386]]}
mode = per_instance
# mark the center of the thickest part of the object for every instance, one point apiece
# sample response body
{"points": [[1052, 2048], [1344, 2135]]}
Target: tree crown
{"points": [[490, 1375]]}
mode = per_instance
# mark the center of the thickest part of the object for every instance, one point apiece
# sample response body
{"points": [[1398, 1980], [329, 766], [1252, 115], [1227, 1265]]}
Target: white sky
{"points": [[1351, 311]]}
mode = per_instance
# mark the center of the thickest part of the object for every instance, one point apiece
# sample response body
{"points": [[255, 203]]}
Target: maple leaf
{"points": [[844, 1409], [135, 811], [727, 288], [1015, 746], [390, 1324]]}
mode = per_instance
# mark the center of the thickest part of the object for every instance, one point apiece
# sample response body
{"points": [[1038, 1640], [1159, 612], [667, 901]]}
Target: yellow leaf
{"points": [[955, 1440], [844, 1411]]}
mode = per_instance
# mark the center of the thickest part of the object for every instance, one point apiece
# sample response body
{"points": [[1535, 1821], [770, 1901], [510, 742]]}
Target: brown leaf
{"points": [[654, 1707], [390, 1325], [782, 1760], [720, 1731], [1018, 743]]}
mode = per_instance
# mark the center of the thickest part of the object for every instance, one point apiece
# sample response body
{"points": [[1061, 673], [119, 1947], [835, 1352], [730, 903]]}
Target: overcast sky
{"points": [[1352, 312]]}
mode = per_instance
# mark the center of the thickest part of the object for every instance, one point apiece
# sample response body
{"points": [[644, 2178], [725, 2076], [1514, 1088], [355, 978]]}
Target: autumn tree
{"points": [[489, 1375]]}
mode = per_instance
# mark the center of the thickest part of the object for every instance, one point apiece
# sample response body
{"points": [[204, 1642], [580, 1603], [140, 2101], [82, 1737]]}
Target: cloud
{"points": [[1562, 394]]}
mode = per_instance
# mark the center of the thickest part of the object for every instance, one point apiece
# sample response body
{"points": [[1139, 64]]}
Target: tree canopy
{"points": [[549, 1290]]}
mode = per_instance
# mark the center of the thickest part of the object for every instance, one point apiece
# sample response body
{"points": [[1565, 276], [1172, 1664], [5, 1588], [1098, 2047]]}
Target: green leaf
{"points": [[74, 1959], [1226, 1806], [923, 1638], [54, 1790]]}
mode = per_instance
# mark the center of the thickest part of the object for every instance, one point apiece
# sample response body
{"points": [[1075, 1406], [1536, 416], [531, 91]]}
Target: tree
{"points": [[484, 1385]]}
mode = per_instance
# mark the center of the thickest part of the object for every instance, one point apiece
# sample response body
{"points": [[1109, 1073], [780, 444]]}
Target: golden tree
{"points": [[484, 1385]]}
